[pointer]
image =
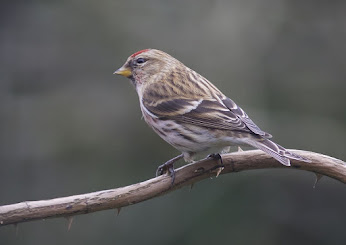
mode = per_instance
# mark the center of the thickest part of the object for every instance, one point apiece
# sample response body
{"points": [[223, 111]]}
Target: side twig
{"points": [[186, 175]]}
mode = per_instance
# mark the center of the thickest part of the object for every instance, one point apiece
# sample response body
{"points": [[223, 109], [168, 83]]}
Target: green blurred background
{"points": [[68, 126]]}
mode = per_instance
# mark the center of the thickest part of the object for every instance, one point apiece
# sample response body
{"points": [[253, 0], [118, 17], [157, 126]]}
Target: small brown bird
{"points": [[190, 113]]}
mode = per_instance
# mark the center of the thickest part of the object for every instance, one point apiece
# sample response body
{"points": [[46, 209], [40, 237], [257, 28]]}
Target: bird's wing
{"points": [[240, 113], [210, 113]]}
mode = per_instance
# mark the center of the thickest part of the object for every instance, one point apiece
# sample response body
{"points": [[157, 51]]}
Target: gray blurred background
{"points": [[68, 126]]}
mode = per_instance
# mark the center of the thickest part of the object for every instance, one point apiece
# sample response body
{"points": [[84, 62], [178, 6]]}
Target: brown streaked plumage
{"points": [[189, 112]]}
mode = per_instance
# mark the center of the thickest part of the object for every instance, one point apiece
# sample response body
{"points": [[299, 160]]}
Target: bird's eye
{"points": [[140, 60]]}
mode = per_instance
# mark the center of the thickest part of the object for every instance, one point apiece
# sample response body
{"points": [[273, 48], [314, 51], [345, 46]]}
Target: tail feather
{"points": [[276, 151]]}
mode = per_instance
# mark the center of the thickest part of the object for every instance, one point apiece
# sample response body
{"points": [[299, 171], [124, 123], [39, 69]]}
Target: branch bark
{"points": [[186, 175]]}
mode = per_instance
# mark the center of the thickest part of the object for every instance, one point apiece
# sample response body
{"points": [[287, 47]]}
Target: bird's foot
{"points": [[218, 168], [169, 168], [216, 157], [166, 168]]}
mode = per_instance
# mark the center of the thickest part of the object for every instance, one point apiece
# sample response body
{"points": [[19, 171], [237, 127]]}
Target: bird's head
{"points": [[146, 65]]}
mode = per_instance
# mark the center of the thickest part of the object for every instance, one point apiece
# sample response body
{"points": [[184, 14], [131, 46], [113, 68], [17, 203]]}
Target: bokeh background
{"points": [[69, 126]]}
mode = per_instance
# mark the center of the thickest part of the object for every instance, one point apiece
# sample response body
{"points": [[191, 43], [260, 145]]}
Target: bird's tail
{"points": [[275, 150]]}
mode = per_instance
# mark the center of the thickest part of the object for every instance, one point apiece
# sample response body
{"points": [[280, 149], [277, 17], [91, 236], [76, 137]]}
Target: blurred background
{"points": [[69, 126]]}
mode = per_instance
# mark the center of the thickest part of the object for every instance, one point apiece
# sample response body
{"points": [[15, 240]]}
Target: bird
{"points": [[190, 113]]}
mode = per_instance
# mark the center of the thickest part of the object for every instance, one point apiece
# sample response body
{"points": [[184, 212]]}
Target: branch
{"points": [[186, 175]]}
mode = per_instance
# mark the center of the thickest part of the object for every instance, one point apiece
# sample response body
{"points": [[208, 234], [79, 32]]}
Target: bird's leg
{"points": [[169, 167], [217, 157]]}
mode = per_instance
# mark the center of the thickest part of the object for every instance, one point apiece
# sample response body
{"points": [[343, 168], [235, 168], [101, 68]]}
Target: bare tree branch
{"points": [[186, 175]]}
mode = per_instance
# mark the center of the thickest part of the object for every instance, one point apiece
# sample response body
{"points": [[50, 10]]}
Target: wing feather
{"points": [[230, 104], [212, 110], [206, 113]]}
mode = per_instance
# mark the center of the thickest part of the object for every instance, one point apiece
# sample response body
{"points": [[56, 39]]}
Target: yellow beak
{"points": [[124, 71]]}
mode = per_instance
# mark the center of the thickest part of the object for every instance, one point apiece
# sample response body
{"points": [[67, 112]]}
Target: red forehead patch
{"points": [[139, 52]]}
